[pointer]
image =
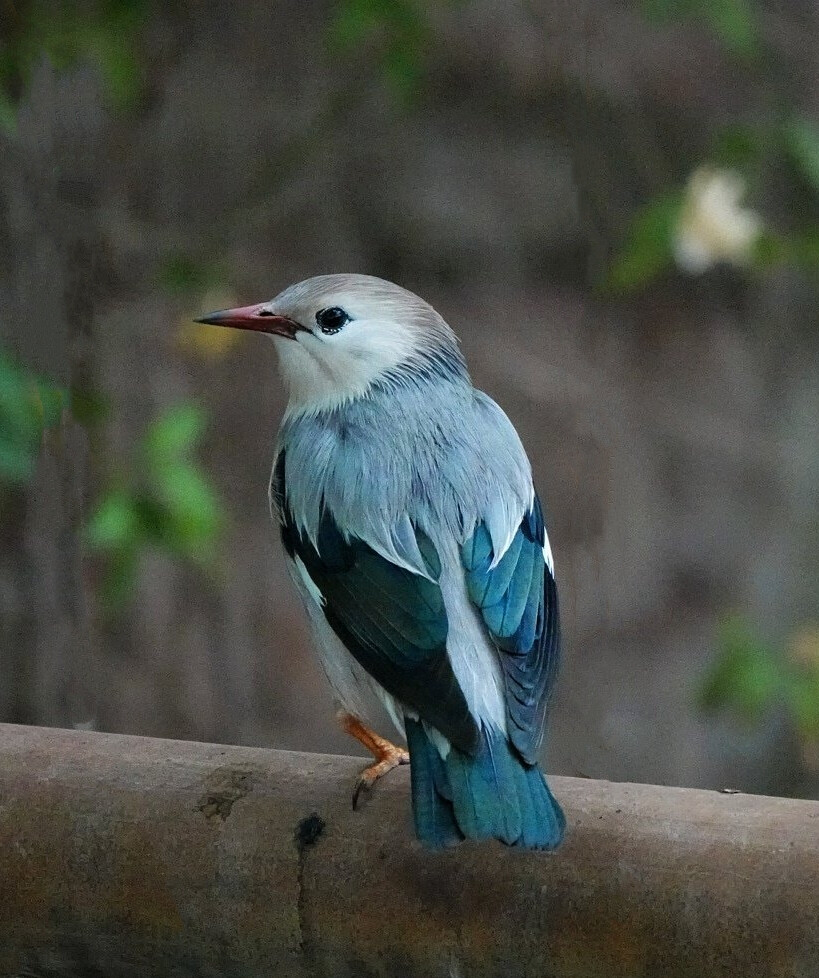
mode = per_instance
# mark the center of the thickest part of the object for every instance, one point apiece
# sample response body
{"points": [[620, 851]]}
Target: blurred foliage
{"points": [[28, 406], [648, 248], [647, 252], [180, 274], [163, 501], [397, 31], [750, 680], [202, 287], [90, 408], [746, 676], [734, 22], [102, 32], [801, 142], [205, 341], [780, 144]]}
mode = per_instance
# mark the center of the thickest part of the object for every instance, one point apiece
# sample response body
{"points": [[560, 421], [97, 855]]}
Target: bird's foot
{"points": [[391, 757], [387, 755]]}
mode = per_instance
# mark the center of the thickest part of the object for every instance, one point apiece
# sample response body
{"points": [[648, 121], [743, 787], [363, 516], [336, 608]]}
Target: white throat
{"points": [[322, 376]]}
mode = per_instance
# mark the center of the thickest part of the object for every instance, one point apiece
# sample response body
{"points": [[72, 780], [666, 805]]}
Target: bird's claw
{"points": [[390, 759]]}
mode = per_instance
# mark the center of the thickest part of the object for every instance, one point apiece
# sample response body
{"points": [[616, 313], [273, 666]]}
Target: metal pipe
{"points": [[123, 856]]}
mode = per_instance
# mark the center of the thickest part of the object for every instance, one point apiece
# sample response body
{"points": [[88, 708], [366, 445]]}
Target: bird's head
{"points": [[338, 335]]}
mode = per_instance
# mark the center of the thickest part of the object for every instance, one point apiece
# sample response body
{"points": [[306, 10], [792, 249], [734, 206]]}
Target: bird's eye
{"points": [[331, 320]]}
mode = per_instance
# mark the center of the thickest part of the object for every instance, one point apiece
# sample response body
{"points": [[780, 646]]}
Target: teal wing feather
{"points": [[391, 620], [518, 601]]}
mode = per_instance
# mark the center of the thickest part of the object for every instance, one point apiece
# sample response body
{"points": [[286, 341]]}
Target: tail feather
{"points": [[491, 794], [543, 820], [432, 808], [484, 793]]}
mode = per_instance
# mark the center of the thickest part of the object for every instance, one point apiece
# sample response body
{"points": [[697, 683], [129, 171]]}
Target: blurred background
{"points": [[615, 205]]}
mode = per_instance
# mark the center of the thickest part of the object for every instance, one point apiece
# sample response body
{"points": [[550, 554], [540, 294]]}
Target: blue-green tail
{"points": [[492, 794]]}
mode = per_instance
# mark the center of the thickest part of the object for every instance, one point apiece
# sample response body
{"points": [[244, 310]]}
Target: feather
{"points": [[477, 553], [491, 794], [447, 460], [504, 575], [412, 512], [523, 621], [393, 622], [432, 808]]}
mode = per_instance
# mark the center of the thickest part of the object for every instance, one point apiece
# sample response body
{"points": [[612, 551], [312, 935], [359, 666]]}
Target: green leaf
{"points": [[805, 249], [403, 29], [193, 509], [802, 696], [182, 274], [89, 407], [771, 249], [402, 69], [352, 23], [173, 434], [119, 581], [740, 146], [647, 251], [27, 406], [746, 677], [102, 32], [119, 66], [170, 507], [115, 524], [153, 521], [8, 113], [800, 250], [802, 145], [735, 23], [16, 463], [51, 403], [18, 416]]}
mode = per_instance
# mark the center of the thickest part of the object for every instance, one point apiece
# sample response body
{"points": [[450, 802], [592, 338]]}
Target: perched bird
{"points": [[416, 539]]}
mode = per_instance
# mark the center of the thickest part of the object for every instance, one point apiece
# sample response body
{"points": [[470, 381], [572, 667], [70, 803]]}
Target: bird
{"points": [[416, 539]]}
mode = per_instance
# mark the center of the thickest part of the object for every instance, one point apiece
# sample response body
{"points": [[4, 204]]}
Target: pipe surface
{"points": [[126, 857]]}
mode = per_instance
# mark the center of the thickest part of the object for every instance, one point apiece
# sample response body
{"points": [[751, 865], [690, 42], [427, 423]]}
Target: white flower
{"points": [[712, 226]]}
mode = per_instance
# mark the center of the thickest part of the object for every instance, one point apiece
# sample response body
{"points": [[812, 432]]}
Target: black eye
{"points": [[331, 320]]}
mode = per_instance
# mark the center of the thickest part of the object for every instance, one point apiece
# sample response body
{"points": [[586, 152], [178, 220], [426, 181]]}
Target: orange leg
{"points": [[387, 755]]}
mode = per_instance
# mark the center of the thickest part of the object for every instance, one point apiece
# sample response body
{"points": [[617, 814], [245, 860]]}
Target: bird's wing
{"points": [[392, 621], [517, 597]]}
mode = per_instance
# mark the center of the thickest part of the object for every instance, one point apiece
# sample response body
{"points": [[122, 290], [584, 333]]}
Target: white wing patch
{"points": [[442, 745], [354, 690], [472, 653], [308, 582], [547, 553]]}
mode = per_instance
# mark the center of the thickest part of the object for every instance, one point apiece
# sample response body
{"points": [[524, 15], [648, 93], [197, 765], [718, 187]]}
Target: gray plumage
{"points": [[416, 540]]}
